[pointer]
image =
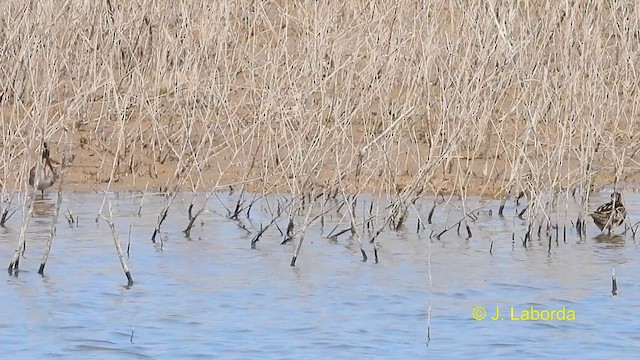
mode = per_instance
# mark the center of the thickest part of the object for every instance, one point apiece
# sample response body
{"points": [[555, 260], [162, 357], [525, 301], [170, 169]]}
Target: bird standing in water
{"points": [[42, 175], [611, 214]]}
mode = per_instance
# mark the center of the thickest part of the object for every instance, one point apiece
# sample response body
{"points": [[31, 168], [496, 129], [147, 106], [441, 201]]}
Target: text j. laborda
{"points": [[530, 313]]}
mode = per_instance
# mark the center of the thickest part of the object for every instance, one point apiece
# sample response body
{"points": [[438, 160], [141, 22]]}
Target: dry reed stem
{"points": [[56, 212], [116, 242], [27, 211]]}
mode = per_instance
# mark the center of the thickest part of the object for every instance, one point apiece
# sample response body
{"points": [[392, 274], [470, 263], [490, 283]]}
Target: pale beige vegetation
{"points": [[388, 97]]}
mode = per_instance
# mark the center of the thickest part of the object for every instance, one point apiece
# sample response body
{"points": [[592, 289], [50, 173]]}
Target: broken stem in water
{"points": [[116, 242], [163, 216], [54, 221], [192, 217], [27, 211], [354, 230]]}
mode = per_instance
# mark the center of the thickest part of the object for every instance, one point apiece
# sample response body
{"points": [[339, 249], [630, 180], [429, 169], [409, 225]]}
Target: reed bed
{"points": [[324, 101]]}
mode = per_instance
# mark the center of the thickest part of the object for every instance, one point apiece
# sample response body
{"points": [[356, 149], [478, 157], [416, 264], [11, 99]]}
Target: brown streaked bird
{"points": [[46, 173], [611, 214]]}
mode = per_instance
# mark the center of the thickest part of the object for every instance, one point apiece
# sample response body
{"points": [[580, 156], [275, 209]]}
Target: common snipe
{"points": [[46, 174], [611, 214]]}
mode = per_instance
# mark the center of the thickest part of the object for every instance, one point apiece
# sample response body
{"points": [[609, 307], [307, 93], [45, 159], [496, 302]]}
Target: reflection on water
{"points": [[610, 240], [213, 296], [43, 207]]}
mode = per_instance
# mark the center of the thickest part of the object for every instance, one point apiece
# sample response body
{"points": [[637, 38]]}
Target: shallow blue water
{"points": [[212, 296]]}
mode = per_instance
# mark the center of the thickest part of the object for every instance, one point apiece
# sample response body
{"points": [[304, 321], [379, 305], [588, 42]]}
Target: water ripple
{"points": [[212, 296]]}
